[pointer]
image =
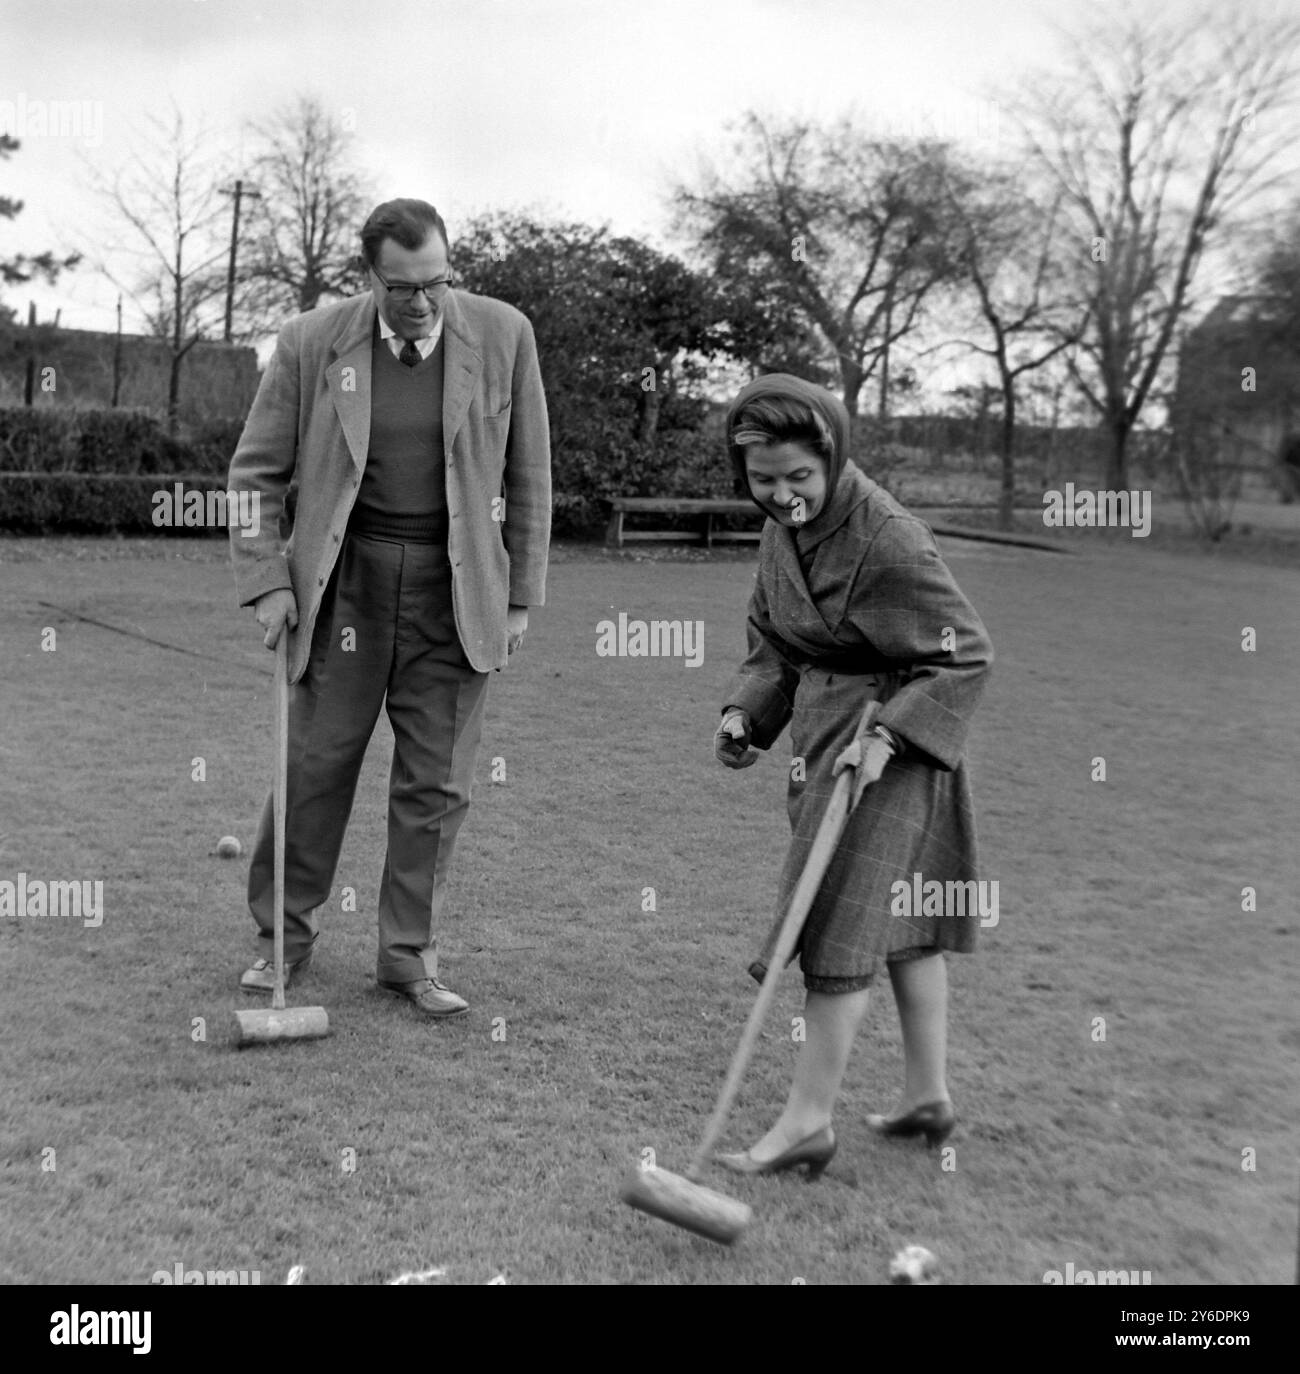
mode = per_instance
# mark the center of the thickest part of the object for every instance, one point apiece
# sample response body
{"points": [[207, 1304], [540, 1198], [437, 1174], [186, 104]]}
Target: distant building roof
{"points": [[1236, 311]]}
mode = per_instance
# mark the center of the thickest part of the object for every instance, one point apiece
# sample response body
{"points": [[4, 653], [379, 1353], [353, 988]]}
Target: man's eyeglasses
{"points": [[407, 291]]}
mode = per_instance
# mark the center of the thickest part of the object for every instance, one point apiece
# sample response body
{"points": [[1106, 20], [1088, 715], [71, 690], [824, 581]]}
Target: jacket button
{"points": [[320, 581]]}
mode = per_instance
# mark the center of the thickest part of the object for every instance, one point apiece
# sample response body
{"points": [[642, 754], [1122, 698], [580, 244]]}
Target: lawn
{"points": [[606, 898]]}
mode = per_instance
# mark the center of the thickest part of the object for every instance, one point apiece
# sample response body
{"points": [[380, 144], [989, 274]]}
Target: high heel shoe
{"points": [[934, 1121], [816, 1151]]}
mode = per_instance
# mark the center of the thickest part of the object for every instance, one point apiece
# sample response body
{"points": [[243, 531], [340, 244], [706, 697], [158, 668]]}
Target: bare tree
{"points": [[304, 226], [1161, 133], [850, 232], [167, 194], [18, 270], [1010, 255]]}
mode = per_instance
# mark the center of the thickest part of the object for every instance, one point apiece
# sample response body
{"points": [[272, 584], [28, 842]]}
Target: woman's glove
{"points": [[868, 754], [731, 742]]}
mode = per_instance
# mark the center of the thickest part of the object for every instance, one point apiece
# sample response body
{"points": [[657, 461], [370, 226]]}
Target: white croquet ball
{"points": [[913, 1264], [229, 847]]}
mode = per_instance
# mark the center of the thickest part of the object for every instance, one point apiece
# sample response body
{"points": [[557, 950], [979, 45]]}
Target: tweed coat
{"points": [[869, 618], [309, 429]]}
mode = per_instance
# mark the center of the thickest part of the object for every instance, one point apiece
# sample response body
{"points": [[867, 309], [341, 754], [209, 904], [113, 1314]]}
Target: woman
{"points": [[853, 602]]}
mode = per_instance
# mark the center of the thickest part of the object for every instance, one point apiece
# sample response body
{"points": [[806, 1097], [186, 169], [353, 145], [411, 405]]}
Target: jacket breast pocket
{"points": [[496, 435]]}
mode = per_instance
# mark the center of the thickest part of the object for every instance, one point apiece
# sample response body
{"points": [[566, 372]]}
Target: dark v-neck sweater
{"points": [[403, 492]]}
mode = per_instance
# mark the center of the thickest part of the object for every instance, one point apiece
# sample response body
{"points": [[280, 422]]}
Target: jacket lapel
{"points": [[853, 488], [349, 379], [462, 364], [793, 583]]}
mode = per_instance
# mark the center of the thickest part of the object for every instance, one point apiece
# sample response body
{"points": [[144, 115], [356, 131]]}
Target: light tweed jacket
{"points": [[309, 429]]}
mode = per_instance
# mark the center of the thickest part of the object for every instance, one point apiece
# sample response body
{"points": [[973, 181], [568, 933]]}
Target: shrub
{"points": [[89, 503], [37, 439], [212, 445], [127, 442], [596, 459]]}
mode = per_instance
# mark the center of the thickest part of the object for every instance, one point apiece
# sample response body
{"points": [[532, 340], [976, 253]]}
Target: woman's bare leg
{"points": [[831, 1022], [921, 991]]}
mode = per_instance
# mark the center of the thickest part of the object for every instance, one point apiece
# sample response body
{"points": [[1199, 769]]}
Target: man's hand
{"points": [[274, 609], [516, 624], [731, 741], [868, 754]]}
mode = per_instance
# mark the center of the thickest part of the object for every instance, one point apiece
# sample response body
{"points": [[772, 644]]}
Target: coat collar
{"points": [[852, 490], [349, 375]]}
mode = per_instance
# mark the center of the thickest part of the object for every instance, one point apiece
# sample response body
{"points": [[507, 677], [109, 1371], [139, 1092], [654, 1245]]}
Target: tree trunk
{"points": [[1116, 478], [309, 292], [174, 394], [1007, 496], [178, 334], [647, 405], [852, 377]]}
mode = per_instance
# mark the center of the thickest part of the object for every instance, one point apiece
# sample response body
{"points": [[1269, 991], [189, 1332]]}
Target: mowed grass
{"points": [[599, 1028]]}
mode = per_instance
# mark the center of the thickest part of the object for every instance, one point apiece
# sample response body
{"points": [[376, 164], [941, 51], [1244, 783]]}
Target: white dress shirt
{"points": [[397, 343]]}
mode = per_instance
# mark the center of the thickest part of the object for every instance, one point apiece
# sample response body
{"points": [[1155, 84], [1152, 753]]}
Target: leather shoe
{"points": [[816, 1151], [429, 997], [934, 1121], [261, 977]]}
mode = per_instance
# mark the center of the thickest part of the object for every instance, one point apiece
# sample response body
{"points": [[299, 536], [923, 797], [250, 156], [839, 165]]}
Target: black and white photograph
{"points": [[649, 645]]}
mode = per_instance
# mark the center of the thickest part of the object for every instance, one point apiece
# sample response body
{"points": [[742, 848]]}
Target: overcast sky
{"points": [[584, 109]]}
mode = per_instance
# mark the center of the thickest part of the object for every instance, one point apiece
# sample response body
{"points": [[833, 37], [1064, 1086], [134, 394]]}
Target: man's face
{"points": [[788, 480], [414, 318]]}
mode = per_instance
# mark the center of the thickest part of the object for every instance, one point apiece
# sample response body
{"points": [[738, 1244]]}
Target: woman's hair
{"points": [[771, 420]]}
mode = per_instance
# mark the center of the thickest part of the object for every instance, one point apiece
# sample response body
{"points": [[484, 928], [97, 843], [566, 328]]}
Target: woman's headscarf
{"points": [[786, 387]]}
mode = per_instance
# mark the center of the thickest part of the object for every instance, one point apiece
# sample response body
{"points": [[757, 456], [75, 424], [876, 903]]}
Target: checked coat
{"points": [[859, 605]]}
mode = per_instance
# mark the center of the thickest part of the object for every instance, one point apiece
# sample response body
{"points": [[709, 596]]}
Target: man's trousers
{"points": [[385, 629]]}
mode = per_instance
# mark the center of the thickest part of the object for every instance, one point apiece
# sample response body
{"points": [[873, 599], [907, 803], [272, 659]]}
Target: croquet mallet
{"points": [[684, 1200], [281, 1022]]}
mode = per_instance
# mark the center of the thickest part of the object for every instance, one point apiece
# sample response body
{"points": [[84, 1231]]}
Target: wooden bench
{"points": [[705, 510]]}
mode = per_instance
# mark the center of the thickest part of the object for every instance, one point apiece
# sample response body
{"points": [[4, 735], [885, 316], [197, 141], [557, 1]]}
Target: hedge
{"points": [[126, 442], [87, 471], [102, 503]]}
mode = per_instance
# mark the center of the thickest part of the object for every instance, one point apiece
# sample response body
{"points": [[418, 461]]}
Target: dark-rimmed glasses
{"points": [[407, 291]]}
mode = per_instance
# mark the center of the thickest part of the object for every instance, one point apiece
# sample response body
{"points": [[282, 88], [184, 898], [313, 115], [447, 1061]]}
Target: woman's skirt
{"points": [[916, 820]]}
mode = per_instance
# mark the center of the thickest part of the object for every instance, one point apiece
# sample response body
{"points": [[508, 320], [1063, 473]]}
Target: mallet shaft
{"points": [[814, 870]]}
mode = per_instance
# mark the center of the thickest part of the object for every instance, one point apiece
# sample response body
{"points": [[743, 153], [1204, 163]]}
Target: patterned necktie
{"points": [[410, 355]]}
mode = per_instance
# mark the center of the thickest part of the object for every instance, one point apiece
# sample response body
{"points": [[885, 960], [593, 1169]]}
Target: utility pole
{"points": [[29, 379], [238, 193], [117, 356], [884, 357]]}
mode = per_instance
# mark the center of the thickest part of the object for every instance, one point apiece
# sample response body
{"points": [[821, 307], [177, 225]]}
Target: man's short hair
{"points": [[407, 222]]}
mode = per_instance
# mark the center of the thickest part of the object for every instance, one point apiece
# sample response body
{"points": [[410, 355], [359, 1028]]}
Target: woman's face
{"points": [[788, 480]]}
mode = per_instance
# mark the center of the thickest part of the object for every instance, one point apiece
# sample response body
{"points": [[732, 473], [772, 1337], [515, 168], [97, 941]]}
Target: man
{"points": [[411, 425]]}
